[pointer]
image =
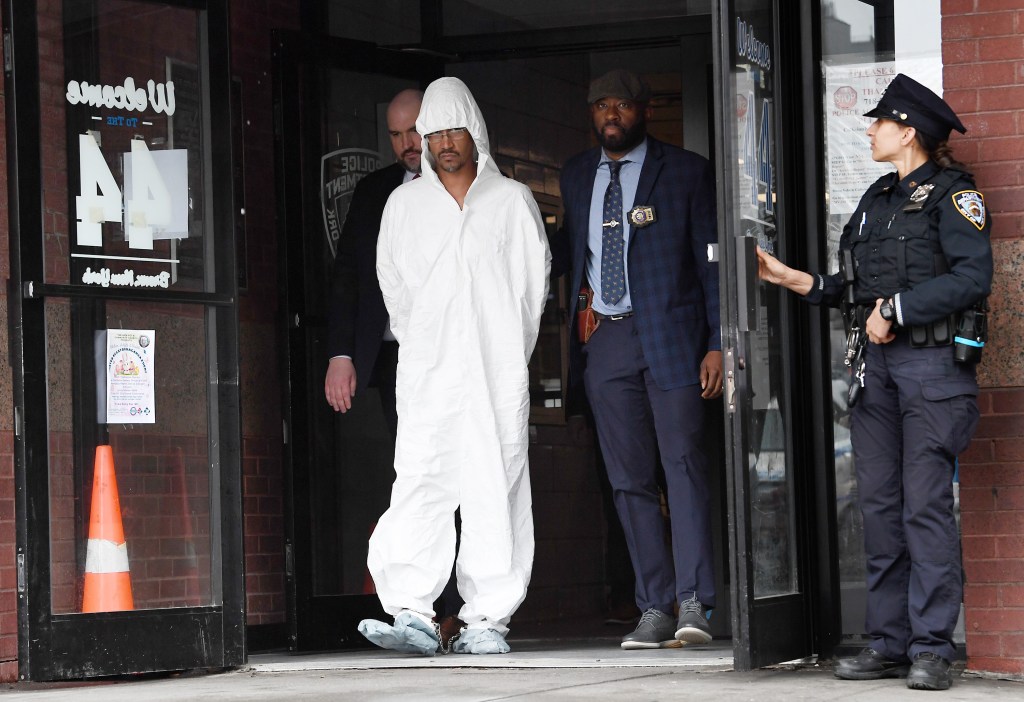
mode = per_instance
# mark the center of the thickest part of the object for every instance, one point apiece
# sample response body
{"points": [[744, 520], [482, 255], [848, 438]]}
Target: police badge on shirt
{"points": [[971, 204]]}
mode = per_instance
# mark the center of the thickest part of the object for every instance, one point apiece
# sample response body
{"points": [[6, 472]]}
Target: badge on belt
{"points": [[641, 215]]}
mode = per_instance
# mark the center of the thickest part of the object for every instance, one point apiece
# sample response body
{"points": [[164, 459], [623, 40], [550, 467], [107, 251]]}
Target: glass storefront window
{"points": [[128, 210], [136, 140], [864, 45], [161, 459]]}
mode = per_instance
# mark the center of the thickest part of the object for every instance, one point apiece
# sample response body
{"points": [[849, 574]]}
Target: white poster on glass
{"points": [[130, 379], [851, 90]]}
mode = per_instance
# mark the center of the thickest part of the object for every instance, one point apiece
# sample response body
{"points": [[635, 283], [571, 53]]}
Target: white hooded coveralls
{"points": [[465, 289]]}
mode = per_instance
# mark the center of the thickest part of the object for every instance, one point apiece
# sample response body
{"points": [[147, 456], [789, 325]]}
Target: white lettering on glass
{"points": [[159, 96], [757, 153], [101, 199], [127, 279], [750, 47]]}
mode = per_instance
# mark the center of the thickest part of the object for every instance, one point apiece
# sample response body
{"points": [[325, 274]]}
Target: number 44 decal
{"points": [[757, 154], [147, 201]]}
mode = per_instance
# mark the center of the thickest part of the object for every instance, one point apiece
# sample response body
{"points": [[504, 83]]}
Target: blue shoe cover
{"points": [[480, 641], [410, 634]]}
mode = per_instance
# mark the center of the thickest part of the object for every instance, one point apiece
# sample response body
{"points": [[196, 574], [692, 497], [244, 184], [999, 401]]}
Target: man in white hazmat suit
{"points": [[463, 263]]}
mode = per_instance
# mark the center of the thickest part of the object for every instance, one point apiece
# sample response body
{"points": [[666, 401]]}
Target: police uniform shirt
{"points": [[892, 243]]}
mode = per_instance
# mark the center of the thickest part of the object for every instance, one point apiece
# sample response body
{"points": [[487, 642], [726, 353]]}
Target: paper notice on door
{"points": [[852, 89], [130, 394]]}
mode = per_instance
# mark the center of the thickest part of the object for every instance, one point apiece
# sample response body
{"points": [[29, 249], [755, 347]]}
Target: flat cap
{"points": [[909, 102], [619, 84]]}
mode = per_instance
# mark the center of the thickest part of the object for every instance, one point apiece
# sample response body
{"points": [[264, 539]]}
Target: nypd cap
{"points": [[909, 102], [619, 84]]}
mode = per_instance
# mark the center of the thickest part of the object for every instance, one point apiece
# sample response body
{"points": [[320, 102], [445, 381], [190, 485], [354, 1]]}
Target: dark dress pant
{"points": [[917, 412], [636, 422], [384, 377]]}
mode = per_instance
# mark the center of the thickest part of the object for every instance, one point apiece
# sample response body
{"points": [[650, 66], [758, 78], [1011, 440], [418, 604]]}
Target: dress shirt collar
{"points": [[636, 155]]}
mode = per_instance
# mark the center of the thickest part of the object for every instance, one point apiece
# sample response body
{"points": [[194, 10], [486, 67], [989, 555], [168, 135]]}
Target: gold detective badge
{"points": [[641, 215]]}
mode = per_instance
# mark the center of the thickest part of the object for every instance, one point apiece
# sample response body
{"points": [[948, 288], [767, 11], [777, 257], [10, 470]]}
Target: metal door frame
{"points": [[64, 646], [770, 630]]}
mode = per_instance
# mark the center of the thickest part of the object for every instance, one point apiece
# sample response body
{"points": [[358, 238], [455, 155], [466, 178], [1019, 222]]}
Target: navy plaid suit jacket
{"points": [[673, 287]]}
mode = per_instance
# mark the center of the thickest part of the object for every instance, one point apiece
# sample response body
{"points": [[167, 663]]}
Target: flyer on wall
{"points": [[130, 355]]}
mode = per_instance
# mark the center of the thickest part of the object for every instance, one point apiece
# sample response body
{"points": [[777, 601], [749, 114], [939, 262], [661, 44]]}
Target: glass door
{"points": [[124, 341], [771, 613], [332, 95]]}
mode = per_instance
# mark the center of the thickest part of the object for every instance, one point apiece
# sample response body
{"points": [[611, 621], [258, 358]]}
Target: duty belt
{"points": [[937, 333]]}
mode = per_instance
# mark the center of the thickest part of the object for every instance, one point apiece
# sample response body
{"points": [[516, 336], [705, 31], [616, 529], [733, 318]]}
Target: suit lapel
{"points": [[398, 175], [587, 186], [649, 174], [582, 208]]}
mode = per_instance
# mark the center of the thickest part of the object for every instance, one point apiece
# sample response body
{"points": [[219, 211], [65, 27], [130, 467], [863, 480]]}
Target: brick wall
{"points": [[992, 518], [264, 530], [983, 56]]}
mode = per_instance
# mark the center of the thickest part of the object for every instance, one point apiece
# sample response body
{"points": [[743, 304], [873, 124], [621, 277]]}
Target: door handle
{"points": [[730, 381], [746, 283]]}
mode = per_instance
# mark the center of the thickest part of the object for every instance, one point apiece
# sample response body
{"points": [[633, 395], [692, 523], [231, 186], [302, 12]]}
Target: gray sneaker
{"points": [[693, 627], [655, 630]]}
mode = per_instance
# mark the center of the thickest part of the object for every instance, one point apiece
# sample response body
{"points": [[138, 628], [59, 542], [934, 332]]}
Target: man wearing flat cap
{"points": [[639, 215], [919, 248]]}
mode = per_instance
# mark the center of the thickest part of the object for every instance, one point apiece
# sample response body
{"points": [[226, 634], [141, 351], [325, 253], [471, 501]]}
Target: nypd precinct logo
{"points": [[340, 171], [971, 204]]}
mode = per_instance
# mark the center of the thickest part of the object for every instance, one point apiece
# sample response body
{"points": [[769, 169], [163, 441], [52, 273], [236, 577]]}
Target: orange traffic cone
{"points": [[108, 586]]}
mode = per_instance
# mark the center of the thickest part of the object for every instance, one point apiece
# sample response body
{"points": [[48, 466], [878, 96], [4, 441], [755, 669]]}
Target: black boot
{"points": [[929, 672], [869, 664]]}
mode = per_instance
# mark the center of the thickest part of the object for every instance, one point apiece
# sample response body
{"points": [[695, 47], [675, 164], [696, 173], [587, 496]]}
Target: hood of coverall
{"points": [[448, 104]]}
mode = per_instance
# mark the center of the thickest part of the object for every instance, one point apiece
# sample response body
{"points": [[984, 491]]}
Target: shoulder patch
{"points": [[971, 204]]}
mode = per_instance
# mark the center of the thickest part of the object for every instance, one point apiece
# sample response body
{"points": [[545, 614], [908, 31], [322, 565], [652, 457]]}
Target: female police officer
{"points": [[919, 248]]}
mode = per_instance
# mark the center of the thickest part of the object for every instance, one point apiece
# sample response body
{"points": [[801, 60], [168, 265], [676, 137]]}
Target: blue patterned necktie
{"points": [[613, 280]]}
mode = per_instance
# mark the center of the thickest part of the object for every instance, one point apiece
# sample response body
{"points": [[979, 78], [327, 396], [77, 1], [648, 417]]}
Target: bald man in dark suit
{"points": [[361, 347]]}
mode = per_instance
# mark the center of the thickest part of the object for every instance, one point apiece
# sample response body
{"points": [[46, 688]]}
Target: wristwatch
{"points": [[887, 311]]}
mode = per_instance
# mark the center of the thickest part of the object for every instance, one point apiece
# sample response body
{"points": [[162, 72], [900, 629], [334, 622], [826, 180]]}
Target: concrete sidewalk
{"points": [[537, 669]]}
